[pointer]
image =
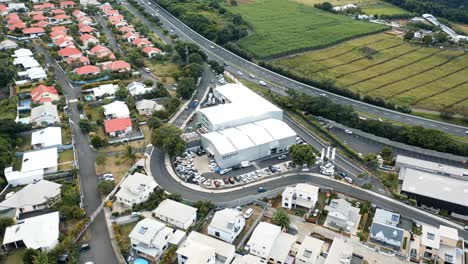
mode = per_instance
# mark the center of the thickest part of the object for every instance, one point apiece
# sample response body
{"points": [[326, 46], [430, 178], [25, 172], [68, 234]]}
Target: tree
{"points": [[195, 58], [324, 6], [41, 258], [446, 114], [121, 93], [192, 70], [387, 153], [101, 159], [216, 66], [186, 87], [169, 256], [427, 39], [204, 207], [98, 142], [28, 256], [302, 154], [154, 122], [129, 154], [168, 138], [440, 37], [105, 187], [233, 3], [409, 35], [281, 218], [7, 72], [4, 223], [85, 125]]}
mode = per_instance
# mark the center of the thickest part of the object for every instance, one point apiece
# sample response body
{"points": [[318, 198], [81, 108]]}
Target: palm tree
{"points": [[129, 154]]}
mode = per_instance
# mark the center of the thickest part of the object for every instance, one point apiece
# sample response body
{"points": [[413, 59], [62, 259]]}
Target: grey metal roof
{"points": [[387, 234]]}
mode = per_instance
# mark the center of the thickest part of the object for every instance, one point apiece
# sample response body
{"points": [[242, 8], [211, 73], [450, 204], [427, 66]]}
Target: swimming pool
{"points": [[89, 98], [140, 261]]}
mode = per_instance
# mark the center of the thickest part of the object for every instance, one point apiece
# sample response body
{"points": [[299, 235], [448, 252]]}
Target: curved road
{"points": [[277, 81]]}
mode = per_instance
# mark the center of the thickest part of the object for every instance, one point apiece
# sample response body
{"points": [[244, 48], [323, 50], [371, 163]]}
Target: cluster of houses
{"points": [[129, 33], [28, 68]]}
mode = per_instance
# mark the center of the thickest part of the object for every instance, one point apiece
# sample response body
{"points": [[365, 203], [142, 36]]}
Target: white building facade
{"points": [[178, 214], [303, 195], [226, 224]]}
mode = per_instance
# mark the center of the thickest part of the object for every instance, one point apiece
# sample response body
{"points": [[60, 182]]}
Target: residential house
{"points": [[70, 52], [47, 138], [86, 29], [150, 238], [226, 224], [440, 245], [40, 24], [3, 10], [43, 93], [85, 21], [89, 40], [130, 36], [151, 51], [105, 7], [178, 214], [45, 114], [199, 248], [248, 259], [60, 19], [116, 109], [302, 195], [35, 164], [38, 17], [57, 12], [118, 127], [102, 52], [111, 12], [148, 107], [64, 42], [141, 42], [340, 252], [135, 189], [105, 90], [138, 88], [342, 216], [33, 32], [127, 29], [35, 74], [116, 66], [87, 70], [15, 7], [119, 24], [384, 230], [309, 250], [77, 62], [67, 4], [34, 196], [8, 44], [44, 6], [270, 243]]}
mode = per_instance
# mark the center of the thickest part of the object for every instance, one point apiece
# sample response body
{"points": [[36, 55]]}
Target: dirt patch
{"points": [[368, 52], [114, 165], [240, 2]]}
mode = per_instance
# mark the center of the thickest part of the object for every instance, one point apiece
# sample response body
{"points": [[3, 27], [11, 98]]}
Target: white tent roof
{"points": [[117, 108], [32, 194], [108, 89], [134, 184], [50, 136], [36, 232], [39, 159]]}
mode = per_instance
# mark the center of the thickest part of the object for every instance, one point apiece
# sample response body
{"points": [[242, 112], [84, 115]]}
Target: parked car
{"points": [[282, 157], [136, 214], [349, 180], [231, 180], [248, 213], [347, 131], [216, 184], [222, 172], [239, 73], [84, 247], [238, 208], [343, 174], [237, 178], [147, 70], [261, 189], [226, 181], [237, 167], [245, 164]]}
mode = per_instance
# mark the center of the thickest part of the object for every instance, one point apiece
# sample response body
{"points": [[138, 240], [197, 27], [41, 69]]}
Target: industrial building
{"points": [[244, 127]]}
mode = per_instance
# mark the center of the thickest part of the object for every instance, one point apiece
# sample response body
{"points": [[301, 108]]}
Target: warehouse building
{"points": [[245, 127]]}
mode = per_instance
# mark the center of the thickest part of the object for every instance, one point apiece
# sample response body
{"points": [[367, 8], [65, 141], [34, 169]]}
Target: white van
{"points": [[248, 213]]}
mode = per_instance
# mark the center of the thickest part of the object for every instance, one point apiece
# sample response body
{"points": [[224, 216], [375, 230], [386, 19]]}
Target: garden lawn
{"points": [[283, 27], [370, 7]]}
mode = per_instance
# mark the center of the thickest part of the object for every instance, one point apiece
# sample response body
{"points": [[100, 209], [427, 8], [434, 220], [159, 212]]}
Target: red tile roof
{"points": [[111, 12], [40, 24], [148, 50], [33, 13], [12, 15], [118, 124], [37, 92], [88, 69], [80, 60], [86, 37], [58, 28], [64, 40], [3, 8], [61, 17], [141, 41], [69, 51], [78, 13], [16, 25], [106, 6], [67, 3], [116, 65], [86, 29], [44, 6], [57, 12], [14, 20], [33, 30], [39, 17], [126, 29], [116, 18]]}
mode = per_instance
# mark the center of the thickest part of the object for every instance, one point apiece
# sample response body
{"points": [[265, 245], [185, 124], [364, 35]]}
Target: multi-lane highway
{"points": [[278, 82]]}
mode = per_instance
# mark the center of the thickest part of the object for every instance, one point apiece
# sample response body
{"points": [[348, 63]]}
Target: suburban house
{"points": [[88, 40], [116, 109], [86, 29], [77, 62], [47, 138], [70, 52], [248, 259], [8, 44], [38, 232], [141, 42], [340, 252], [440, 245], [87, 70], [303, 195], [43, 93], [178, 214], [151, 51], [138, 88], [130, 36], [384, 230], [100, 52], [200, 248], [148, 107], [118, 127], [135, 189], [34, 196], [33, 32], [226, 224], [67, 4], [45, 114], [64, 42], [270, 243], [116, 66], [105, 90], [342, 215], [309, 250], [150, 238]]}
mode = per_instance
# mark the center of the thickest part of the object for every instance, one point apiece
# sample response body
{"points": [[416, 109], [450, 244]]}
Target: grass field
{"points": [[282, 27], [384, 66], [370, 7]]}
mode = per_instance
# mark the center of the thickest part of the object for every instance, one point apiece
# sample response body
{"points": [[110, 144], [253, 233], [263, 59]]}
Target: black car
{"points": [[237, 178], [63, 259], [84, 247], [237, 167]]}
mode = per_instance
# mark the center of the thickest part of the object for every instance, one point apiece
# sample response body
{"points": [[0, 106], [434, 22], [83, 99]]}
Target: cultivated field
{"points": [[370, 7], [384, 66], [282, 27]]}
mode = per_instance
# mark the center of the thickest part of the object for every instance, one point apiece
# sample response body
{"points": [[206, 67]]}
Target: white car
{"points": [[245, 164], [248, 213], [212, 46], [262, 83], [252, 76], [282, 157], [347, 131], [82, 116], [240, 73], [349, 180], [148, 70], [222, 172]]}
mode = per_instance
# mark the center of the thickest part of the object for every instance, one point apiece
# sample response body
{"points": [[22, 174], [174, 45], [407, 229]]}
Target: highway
{"points": [[278, 83]]}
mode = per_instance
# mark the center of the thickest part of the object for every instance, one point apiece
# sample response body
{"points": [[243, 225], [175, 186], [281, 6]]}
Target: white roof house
{"points": [[150, 238], [175, 213], [138, 88], [340, 252], [241, 106], [105, 89], [386, 217], [26, 62], [199, 248], [148, 107], [430, 237], [45, 159], [116, 109], [429, 166], [226, 224], [39, 232], [309, 250], [15, 178], [248, 259], [8, 44], [304, 195], [16, 7], [45, 114], [47, 137], [34, 196], [342, 215], [32, 74], [22, 53], [267, 241], [135, 189]]}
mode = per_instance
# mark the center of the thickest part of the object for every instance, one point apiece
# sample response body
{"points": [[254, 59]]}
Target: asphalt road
{"points": [[278, 82], [101, 251]]}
